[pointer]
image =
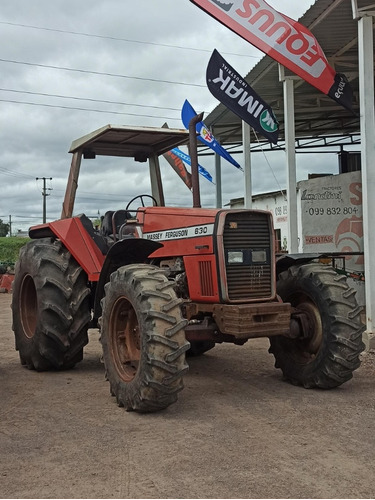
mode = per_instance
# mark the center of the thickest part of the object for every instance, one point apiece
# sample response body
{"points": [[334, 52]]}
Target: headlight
{"points": [[235, 257], [258, 256]]}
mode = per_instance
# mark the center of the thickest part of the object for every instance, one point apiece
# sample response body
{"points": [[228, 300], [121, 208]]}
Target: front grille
{"points": [[248, 234]]}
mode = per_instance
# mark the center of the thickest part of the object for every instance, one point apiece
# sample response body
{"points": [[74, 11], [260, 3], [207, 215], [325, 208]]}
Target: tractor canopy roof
{"points": [[140, 143]]}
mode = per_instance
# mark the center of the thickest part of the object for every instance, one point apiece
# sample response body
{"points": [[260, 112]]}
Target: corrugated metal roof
{"points": [[332, 23]]}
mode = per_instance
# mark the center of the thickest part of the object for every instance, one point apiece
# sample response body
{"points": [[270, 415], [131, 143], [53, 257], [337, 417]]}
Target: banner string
{"points": [[268, 163]]}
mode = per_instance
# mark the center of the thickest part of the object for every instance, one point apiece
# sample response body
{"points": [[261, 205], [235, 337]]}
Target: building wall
{"points": [[330, 212]]}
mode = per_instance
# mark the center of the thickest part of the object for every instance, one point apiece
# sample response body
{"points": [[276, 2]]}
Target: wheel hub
{"points": [[306, 329], [28, 306], [125, 339]]}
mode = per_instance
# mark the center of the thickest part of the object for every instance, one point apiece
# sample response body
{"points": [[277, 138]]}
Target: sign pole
{"points": [[219, 196], [247, 164], [290, 147]]}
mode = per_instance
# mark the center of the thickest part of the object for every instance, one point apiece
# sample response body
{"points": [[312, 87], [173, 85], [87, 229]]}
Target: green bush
{"points": [[9, 250]]}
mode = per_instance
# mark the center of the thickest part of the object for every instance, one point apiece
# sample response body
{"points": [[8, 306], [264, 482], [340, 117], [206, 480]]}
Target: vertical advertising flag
{"points": [[178, 166], [186, 158], [205, 135], [230, 88], [176, 158], [285, 40]]}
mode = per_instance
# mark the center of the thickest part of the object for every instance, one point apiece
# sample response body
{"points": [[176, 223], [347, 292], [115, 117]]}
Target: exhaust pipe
{"points": [[194, 159]]}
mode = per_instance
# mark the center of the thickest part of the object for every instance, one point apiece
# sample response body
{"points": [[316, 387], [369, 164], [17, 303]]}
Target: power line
{"points": [[119, 196], [24, 216], [12, 173], [100, 73], [11, 101], [128, 40], [88, 99]]}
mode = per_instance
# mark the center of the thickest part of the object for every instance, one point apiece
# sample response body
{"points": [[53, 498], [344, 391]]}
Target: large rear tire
{"points": [[50, 305], [329, 353], [143, 339]]}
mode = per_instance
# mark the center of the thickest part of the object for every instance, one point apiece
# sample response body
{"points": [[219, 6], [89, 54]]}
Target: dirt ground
{"points": [[237, 431]]}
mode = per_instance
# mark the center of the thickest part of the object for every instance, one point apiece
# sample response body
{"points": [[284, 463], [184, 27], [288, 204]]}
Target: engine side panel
{"points": [[181, 231]]}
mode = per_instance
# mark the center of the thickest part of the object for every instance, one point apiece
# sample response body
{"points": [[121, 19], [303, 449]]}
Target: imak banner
{"points": [[205, 135], [230, 88], [283, 39]]}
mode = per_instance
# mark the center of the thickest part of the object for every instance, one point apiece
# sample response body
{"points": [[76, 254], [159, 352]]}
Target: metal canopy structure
{"points": [[316, 115], [345, 31], [139, 143]]}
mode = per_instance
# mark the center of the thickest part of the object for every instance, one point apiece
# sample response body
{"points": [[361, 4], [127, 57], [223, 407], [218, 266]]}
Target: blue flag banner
{"points": [[205, 135], [186, 158]]}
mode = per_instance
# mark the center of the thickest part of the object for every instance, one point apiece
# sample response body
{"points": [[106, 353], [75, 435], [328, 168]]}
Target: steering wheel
{"points": [[141, 197]]}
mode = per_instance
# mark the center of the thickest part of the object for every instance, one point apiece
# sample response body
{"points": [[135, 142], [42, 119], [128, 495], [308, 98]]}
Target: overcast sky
{"points": [[70, 67]]}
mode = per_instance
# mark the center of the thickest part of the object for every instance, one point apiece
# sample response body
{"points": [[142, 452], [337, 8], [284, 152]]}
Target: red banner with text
{"points": [[285, 40]]}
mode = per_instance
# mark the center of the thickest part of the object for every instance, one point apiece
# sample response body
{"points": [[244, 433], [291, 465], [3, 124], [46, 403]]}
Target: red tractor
{"points": [[163, 282]]}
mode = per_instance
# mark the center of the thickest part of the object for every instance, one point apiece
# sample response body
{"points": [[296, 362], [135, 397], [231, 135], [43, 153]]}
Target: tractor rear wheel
{"points": [[50, 305], [143, 339], [329, 352]]}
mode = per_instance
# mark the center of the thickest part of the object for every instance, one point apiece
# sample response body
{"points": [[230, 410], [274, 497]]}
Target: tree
{"points": [[4, 228]]}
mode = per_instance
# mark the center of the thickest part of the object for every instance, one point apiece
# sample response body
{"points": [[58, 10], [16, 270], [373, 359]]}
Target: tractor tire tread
{"points": [[342, 344], [162, 363]]}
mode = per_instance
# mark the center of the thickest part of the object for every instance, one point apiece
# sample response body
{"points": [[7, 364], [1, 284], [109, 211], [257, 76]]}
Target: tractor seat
{"points": [[114, 220], [99, 239], [106, 224]]}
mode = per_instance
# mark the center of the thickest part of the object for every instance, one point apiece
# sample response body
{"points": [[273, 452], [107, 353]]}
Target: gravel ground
{"points": [[237, 431]]}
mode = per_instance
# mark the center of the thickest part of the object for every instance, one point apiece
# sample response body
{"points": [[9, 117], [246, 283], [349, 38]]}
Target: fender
{"points": [[130, 250], [285, 261], [79, 237]]}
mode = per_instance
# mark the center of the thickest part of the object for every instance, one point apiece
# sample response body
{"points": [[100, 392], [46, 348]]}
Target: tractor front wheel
{"points": [[328, 352], [143, 339]]}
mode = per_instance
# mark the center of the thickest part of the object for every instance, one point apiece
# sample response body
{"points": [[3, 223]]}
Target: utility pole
{"points": [[44, 194], [10, 225]]}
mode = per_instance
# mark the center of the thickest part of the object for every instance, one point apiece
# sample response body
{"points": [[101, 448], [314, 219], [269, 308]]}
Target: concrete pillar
{"points": [[247, 164], [290, 147], [367, 121]]}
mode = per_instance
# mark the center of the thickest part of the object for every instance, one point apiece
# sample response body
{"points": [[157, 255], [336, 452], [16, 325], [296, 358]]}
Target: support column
{"points": [[290, 148], [155, 178], [248, 201], [71, 188], [219, 196], [366, 92]]}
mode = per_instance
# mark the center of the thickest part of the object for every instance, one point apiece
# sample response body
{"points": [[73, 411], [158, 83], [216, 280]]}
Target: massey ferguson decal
{"points": [[237, 95], [283, 39], [181, 233]]}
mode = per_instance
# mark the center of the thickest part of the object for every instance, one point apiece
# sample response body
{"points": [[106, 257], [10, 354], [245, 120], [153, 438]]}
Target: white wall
{"points": [[331, 221]]}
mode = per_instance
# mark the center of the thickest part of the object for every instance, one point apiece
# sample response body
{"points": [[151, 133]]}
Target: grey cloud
{"points": [[35, 138]]}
